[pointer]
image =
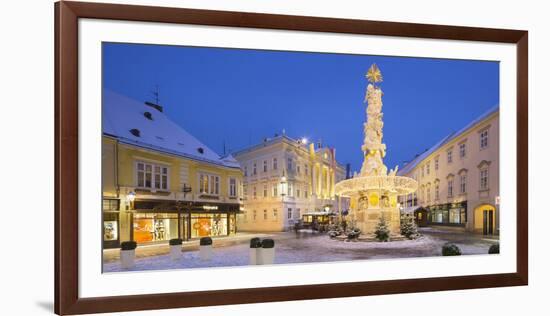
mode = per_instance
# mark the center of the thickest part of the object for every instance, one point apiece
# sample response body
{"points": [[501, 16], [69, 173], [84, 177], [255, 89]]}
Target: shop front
{"points": [[160, 221], [450, 214], [111, 223]]}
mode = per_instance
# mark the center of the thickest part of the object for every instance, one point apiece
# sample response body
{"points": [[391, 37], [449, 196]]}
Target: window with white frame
{"points": [[289, 213], [297, 168], [254, 192], [428, 167], [306, 169], [289, 164], [436, 163], [275, 163], [297, 213], [290, 189], [462, 150], [297, 192], [209, 184], [463, 183], [484, 178], [265, 190], [254, 169], [265, 165], [450, 187], [245, 191], [265, 215], [232, 187], [152, 176], [275, 214], [275, 192], [305, 194], [436, 191], [245, 171], [450, 155], [484, 139], [254, 214], [428, 193]]}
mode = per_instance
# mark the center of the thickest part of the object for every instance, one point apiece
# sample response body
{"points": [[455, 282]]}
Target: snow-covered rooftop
{"points": [[136, 123], [411, 165]]}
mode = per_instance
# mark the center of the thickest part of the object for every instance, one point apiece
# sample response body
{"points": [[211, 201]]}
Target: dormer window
{"points": [[200, 150], [135, 132], [148, 116]]}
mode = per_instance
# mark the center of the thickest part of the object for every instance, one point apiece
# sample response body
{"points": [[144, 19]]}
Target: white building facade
{"points": [[458, 179], [285, 179]]}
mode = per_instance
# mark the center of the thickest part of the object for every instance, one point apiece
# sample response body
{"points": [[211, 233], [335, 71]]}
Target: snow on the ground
{"points": [[306, 248]]}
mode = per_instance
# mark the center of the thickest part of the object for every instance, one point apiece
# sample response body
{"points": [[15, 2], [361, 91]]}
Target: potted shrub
{"points": [[494, 249], [128, 254], [254, 254], [175, 248], [267, 252], [450, 249], [205, 248]]}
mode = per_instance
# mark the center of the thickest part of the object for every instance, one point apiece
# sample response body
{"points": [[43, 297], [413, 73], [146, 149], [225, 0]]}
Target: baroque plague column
{"points": [[374, 191]]}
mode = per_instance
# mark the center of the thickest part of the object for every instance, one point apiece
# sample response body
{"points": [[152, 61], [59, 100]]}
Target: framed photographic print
{"points": [[212, 157]]}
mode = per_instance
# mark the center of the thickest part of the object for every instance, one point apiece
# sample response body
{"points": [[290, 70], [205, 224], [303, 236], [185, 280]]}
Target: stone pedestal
{"points": [[367, 220]]}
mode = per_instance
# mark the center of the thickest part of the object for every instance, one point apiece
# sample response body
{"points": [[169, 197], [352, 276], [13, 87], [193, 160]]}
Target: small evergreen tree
{"points": [[382, 231], [408, 227]]}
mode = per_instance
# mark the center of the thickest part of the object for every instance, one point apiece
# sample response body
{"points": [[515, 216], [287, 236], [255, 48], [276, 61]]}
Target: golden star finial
{"points": [[373, 74]]}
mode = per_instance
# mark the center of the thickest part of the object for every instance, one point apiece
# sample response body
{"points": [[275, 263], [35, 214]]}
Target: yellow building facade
{"points": [[458, 179], [161, 183]]}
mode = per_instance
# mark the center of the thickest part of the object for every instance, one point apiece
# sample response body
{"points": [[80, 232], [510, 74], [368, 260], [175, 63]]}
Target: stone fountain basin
{"points": [[395, 184]]}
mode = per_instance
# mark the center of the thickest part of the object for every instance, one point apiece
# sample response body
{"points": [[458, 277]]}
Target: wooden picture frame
{"points": [[67, 15]]}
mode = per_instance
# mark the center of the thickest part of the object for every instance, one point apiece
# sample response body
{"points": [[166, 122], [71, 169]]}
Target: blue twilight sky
{"points": [[242, 96]]}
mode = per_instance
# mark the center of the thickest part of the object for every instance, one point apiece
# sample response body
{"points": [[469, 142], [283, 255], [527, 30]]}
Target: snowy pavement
{"points": [[306, 247]]}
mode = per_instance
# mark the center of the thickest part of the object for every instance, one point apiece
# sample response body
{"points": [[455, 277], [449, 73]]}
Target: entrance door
{"points": [[487, 222]]}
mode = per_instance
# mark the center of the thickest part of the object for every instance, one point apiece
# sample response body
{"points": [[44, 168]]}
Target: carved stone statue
{"points": [[373, 148]]}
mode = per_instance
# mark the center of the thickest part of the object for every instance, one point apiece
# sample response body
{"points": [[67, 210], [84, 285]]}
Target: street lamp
{"points": [[283, 185], [130, 197]]}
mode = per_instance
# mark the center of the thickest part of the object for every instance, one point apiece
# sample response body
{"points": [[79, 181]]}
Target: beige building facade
{"points": [[458, 179], [284, 180]]}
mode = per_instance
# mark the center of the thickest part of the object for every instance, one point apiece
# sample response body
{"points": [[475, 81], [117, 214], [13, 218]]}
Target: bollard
{"points": [[175, 248], [267, 252], [127, 254], [205, 248], [255, 246]]}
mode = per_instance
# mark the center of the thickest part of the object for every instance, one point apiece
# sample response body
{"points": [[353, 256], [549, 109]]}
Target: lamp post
{"points": [[130, 198], [186, 189], [283, 186]]}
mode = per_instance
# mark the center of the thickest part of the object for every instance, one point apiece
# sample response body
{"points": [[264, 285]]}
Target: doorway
{"points": [[488, 222], [485, 219]]}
